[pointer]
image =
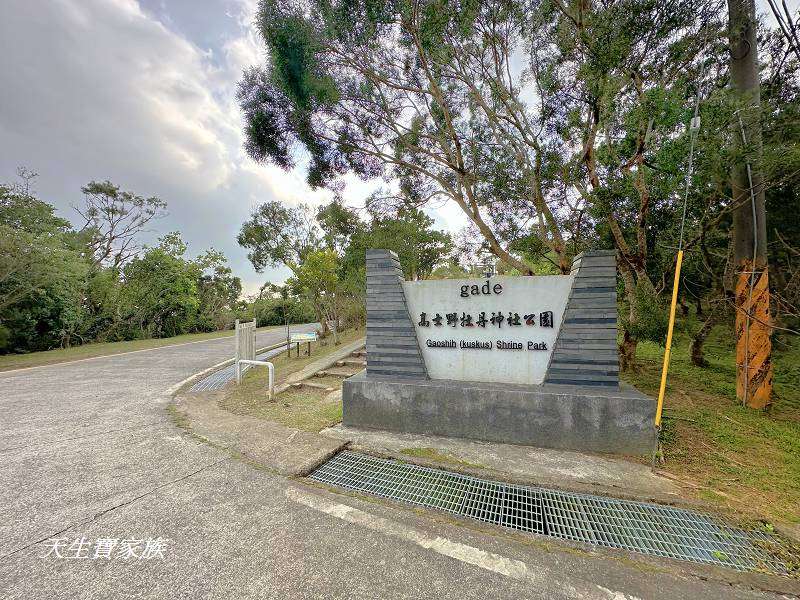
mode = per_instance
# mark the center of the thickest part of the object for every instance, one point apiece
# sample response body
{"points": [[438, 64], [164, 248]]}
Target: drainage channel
{"points": [[220, 378], [636, 526]]}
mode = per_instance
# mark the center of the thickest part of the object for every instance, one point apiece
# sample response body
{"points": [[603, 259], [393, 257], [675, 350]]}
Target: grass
{"points": [[330, 380], [301, 408], [733, 457]]}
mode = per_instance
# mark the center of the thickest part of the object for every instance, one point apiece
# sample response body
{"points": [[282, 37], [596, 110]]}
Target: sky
{"points": [[143, 94]]}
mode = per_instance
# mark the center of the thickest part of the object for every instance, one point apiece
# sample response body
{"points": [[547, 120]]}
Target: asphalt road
{"points": [[88, 452]]}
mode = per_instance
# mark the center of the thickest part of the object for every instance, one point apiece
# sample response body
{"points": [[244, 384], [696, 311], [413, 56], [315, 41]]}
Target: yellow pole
{"points": [[665, 368]]}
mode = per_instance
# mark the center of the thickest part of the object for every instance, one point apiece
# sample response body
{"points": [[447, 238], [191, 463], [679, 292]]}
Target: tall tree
{"points": [[338, 224], [753, 325], [218, 289], [161, 290], [113, 219], [438, 96], [410, 234], [317, 279], [279, 235], [42, 272], [614, 77], [425, 92]]}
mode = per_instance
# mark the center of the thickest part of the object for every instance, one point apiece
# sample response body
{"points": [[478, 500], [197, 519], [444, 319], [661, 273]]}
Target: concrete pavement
{"points": [[86, 449]]}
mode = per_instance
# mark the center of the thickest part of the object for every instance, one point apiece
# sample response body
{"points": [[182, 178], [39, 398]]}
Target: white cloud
{"points": [[102, 89], [119, 90]]}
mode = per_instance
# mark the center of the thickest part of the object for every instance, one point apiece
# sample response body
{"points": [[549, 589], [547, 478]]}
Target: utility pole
{"points": [[753, 321]]}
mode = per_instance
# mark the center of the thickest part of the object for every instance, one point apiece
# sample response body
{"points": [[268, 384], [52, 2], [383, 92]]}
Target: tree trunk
{"points": [[332, 316], [627, 349], [696, 350], [753, 325], [323, 320], [684, 306], [627, 352]]}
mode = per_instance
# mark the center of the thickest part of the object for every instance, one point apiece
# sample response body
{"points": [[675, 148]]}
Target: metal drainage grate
{"points": [[215, 381], [219, 379], [640, 527]]}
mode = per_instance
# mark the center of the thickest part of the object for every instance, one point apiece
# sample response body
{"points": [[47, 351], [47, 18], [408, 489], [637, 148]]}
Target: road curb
{"points": [[287, 451]]}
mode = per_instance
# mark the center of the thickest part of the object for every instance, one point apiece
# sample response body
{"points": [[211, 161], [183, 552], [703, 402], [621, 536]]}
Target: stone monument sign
{"points": [[525, 360], [501, 329]]}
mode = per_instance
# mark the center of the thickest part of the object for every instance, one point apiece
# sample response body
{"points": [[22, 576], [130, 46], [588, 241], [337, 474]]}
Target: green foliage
{"points": [[218, 290], [57, 289], [711, 437], [21, 211], [410, 235], [326, 252], [424, 94], [317, 279], [40, 274], [651, 317], [284, 98], [278, 311], [276, 234], [338, 224], [318, 274], [294, 47], [436, 96], [161, 294], [450, 270], [536, 254], [49, 316], [266, 114]]}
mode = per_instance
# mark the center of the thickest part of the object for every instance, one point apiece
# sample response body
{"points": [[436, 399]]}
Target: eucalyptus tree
{"points": [[279, 235], [616, 81], [426, 93]]}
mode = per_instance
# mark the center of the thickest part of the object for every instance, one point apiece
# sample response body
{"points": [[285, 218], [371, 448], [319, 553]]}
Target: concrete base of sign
{"points": [[583, 418]]}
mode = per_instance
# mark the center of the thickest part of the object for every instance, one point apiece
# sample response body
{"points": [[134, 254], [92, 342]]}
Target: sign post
{"points": [[299, 338]]}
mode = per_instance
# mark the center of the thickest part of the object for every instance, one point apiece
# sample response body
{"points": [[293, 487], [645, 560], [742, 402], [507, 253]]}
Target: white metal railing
{"points": [[257, 363]]}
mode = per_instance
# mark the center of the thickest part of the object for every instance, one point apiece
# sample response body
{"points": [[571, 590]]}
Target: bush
{"points": [[652, 317], [276, 311]]}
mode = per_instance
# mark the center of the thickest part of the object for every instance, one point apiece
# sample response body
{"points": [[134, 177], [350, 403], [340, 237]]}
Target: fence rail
{"points": [[245, 341], [241, 365]]}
